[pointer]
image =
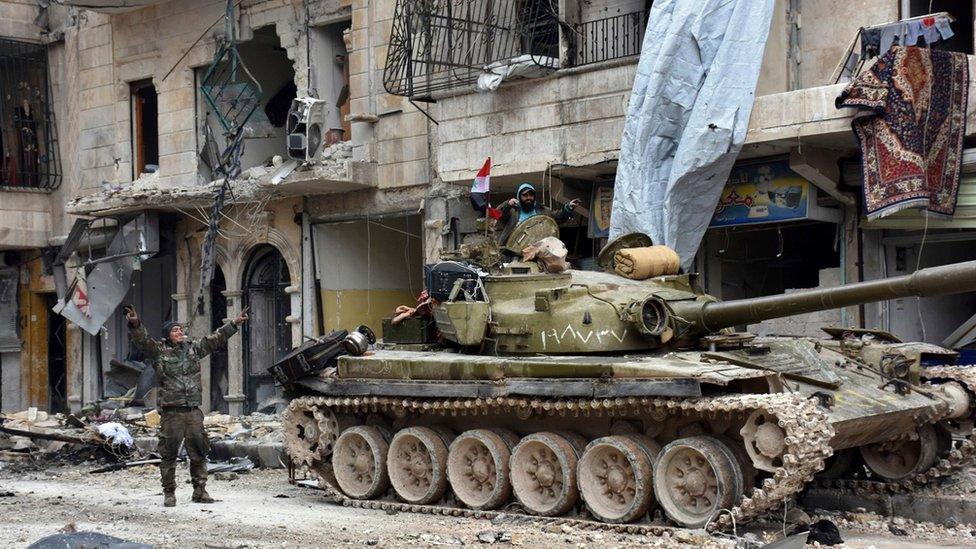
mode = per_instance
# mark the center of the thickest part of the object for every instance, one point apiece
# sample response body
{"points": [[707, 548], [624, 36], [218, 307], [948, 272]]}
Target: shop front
{"points": [[772, 232]]}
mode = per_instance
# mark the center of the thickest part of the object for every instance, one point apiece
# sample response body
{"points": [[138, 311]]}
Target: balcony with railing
{"points": [[615, 37]]}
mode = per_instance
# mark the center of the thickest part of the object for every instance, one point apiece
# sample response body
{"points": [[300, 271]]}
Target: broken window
{"points": [[448, 44], [28, 148], [962, 41], [266, 61], [145, 128], [330, 79]]}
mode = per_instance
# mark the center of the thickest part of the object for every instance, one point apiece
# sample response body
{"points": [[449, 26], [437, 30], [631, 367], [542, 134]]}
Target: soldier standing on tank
{"points": [[176, 361], [524, 206]]}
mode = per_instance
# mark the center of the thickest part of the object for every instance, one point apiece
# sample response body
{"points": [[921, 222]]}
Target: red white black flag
{"points": [[479, 191]]}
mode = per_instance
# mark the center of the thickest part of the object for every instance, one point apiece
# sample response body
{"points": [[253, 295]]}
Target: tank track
{"points": [[955, 460], [805, 424]]}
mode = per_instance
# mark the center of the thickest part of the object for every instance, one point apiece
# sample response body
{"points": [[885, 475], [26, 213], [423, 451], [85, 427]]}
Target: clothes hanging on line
{"points": [[879, 39]]}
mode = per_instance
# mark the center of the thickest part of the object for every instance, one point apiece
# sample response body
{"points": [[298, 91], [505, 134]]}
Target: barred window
{"points": [[28, 148]]}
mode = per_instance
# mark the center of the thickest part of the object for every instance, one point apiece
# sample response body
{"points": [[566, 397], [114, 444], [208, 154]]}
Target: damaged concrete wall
{"points": [[574, 117], [386, 129], [826, 31]]}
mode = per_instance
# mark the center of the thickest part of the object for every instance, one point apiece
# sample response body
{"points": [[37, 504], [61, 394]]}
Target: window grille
{"points": [[609, 38], [28, 145]]}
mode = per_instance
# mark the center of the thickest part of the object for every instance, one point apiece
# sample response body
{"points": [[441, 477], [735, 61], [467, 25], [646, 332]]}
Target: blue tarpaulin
{"points": [[687, 117]]}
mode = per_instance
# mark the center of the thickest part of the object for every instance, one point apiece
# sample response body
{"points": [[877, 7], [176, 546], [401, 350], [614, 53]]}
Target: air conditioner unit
{"points": [[305, 128]]}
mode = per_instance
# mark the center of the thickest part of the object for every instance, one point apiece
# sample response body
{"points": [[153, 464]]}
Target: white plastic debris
{"points": [[116, 433]]}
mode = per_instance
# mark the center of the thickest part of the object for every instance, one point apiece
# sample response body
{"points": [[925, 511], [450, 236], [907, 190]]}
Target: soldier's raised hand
{"points": [[241, 317], [131, 316]]}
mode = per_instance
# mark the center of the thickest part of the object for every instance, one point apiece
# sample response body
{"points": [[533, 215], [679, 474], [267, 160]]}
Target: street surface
{"points": [[260, 509]]}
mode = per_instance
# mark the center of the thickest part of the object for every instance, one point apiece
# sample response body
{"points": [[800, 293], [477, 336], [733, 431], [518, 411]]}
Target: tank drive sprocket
{"points": [[310, 431]]}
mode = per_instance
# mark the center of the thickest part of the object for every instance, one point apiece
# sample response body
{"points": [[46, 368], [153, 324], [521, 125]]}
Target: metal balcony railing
{"points": [[28, 145], [447, 44], [609, 38]]}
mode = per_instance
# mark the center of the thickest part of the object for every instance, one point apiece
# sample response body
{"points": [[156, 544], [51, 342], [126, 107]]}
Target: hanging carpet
{"points": [[910, 127]]}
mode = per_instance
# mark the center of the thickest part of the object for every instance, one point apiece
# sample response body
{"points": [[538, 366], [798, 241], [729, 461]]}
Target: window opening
{"points": [[28, 146], [265, 78], [330, 79], [145, 128]]}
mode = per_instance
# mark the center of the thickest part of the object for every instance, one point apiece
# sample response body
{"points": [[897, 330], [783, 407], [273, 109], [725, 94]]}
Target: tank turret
{"points": [[593, 312]]}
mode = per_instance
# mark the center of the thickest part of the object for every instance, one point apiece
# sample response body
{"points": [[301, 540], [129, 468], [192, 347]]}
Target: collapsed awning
{"points": [[91, 283]]}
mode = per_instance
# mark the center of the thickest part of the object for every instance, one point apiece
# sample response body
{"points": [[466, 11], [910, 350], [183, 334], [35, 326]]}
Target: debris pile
{"points": [[118, 436]]}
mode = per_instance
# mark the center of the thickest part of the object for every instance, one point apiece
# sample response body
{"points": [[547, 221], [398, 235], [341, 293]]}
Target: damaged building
{"points": [[362, 126]]}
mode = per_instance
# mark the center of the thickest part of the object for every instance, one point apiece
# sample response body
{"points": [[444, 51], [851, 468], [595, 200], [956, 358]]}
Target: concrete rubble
{"points": [[256, 437], [255, 183]]}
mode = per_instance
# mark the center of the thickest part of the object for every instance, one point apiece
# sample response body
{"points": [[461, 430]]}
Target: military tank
{"points": [[590, 398]]}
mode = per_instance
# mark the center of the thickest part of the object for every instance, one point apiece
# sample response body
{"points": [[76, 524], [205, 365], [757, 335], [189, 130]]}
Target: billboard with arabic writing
{"points": [[763, 192]]}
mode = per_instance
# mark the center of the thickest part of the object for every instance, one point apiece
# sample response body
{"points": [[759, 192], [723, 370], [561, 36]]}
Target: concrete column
{"points": [[295, 296], [235, 357], [308, 294], [74, 365]]}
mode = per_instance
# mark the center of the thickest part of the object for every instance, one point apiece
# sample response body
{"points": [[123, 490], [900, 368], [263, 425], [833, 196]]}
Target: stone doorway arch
{"points": [[267, 335]]}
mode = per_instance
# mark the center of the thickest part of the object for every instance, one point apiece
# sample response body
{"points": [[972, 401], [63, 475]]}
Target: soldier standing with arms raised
{"points": [[176, 361]]}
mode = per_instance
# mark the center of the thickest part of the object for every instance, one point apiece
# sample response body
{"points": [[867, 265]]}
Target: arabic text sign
{"points": [[762, 193]]}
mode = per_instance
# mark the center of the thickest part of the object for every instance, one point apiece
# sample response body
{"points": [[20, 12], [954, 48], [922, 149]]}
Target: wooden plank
{"points": [[579, 388]]}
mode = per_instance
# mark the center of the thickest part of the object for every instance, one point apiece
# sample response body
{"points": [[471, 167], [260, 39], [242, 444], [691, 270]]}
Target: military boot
{"points": [[169, 499], [200, 494]]}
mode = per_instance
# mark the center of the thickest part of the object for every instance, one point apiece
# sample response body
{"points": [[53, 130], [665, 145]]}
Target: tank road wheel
{"points": [[543, 469], [615, 479], [904, 456], [694, 478], [359, 462], [310, 433], [417, 465], [765, 441], [477, 467]]}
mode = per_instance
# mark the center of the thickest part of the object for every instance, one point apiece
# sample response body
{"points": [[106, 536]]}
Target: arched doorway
{"points": [[218, 359], [267, 334]]}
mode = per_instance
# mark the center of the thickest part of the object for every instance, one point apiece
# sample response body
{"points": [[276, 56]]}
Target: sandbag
{"points": [[549, 253], [648, 262]]}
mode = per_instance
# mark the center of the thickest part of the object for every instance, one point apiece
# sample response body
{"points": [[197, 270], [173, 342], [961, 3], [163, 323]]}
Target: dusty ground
{"points": [[261, 509]]}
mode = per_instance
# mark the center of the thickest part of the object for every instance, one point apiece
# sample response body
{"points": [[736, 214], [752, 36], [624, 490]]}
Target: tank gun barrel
{"points": [[934, 281]]}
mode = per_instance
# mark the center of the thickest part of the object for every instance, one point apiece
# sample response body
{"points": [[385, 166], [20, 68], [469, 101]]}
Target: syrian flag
{"points": [[479, 192]]}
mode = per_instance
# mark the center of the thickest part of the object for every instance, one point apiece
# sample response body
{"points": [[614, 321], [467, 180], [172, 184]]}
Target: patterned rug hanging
{"points": [[910, 127]]}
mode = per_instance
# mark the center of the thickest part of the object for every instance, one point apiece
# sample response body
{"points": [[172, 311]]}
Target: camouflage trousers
{"points": [[176, 426]]}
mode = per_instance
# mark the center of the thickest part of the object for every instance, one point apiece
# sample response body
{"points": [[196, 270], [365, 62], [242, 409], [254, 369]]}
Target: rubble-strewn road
{"points": [[261, 509]]}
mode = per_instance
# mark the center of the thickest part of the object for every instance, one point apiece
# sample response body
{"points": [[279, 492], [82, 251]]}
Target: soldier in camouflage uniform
{"points": [[177, 364]]}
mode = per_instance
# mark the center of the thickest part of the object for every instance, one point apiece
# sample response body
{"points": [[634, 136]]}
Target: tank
{"points": [[587, 397]]}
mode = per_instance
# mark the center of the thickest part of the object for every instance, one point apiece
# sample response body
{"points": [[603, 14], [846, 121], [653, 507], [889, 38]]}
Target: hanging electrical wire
{"points": [[233, 95]]}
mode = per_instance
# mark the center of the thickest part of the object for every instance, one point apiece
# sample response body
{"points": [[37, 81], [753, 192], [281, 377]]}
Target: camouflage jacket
{"points": [[178, 366]]}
